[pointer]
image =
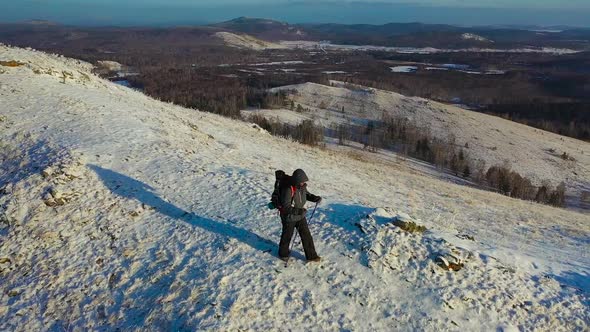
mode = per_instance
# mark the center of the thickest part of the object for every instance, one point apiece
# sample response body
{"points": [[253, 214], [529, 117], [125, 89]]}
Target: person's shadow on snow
{"points": [[127, 187]]}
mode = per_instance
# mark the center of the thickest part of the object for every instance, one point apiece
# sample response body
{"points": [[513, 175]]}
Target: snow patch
{"points": [[436, 68], [110, 65], [404, 69], [278, 63], [471, 36], [246, 41]]}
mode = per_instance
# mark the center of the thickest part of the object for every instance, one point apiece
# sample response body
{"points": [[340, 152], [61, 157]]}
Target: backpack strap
{"points": [[292, 198]]}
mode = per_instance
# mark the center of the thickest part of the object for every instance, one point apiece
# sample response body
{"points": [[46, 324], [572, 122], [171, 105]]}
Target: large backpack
{"points": [[281, 180]]}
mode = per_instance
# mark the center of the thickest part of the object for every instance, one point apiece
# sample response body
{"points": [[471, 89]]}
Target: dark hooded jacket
{"points": [[293, 197]]}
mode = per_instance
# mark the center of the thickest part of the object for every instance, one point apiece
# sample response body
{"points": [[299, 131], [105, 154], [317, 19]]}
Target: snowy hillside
{"points": [[246, 41], [121, 212], [534, 153]]}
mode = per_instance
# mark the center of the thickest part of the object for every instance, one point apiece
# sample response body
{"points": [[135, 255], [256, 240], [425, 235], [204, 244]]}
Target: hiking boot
{"points": [[315, 260], [284, 259]]}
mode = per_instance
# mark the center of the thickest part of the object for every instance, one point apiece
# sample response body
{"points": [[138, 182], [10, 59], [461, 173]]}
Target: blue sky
{"points": [[172, 12]]}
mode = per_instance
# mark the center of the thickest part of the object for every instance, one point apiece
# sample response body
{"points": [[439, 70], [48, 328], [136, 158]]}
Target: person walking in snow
{"points": [[293, 196]]}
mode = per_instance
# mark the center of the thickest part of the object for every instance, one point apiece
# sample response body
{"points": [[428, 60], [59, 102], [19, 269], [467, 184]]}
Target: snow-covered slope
{"points": [[121, 212], [533, 153], [246, 41]]}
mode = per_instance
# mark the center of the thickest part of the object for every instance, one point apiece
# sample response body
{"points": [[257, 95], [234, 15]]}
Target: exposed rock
{"points": [[47, 196], [11, 63], [449, 262], [60, 201], [404, 222], [51, 202], [72, 173], [47, 172], [55, 193], [465, 237]]}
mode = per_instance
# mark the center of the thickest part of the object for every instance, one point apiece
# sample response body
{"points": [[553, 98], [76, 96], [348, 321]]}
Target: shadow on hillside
{"points": [[127, 187], [577, 280], [21, 156], [347, 216], [148, 288]]}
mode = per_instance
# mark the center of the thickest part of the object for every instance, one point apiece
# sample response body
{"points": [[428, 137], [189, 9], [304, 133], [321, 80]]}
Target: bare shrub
{"points": [[511, 183], [342, 133], [308, 133], [557, 196], [409, 226]]}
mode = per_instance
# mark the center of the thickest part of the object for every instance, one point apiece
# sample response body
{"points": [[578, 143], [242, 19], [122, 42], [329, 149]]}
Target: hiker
{"points": [[292, 197]]}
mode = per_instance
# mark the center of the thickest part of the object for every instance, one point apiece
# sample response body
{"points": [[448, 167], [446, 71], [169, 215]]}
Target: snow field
{"points": [[162, 225]]}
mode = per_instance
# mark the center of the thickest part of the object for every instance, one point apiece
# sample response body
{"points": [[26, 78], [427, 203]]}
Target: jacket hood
{"points": [[299, 176]]}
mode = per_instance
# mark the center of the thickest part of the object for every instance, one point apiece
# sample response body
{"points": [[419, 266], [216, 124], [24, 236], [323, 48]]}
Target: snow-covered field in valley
{"points": [[313, 45], [404, 69], [118, 211]]}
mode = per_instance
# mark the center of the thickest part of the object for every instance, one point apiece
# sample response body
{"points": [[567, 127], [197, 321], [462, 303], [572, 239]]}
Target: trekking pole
{"points": [[315, 207], [296, 233], [309, 222]]}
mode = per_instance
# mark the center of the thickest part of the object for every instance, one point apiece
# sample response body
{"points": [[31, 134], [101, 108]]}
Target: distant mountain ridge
{"points": [[413, 34], [268, 30]]}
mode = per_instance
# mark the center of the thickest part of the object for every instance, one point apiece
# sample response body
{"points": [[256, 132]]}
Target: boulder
{"points": [[406, 223], [47, 172]]}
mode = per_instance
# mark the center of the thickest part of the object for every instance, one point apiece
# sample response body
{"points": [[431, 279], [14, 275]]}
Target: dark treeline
{"points": [[512, 184], [189, 88], [305, 132], [223, 94], [402, 136]]}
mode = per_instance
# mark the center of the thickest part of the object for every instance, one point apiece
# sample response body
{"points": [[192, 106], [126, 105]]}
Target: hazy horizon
{"points": [[182, 12]]}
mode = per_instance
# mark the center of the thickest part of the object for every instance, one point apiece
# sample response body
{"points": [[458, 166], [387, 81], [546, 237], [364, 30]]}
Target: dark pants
{"points": [[306, 239]]}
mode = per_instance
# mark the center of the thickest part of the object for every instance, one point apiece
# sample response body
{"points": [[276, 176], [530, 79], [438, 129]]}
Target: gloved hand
{"points": [[319, 200]]}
